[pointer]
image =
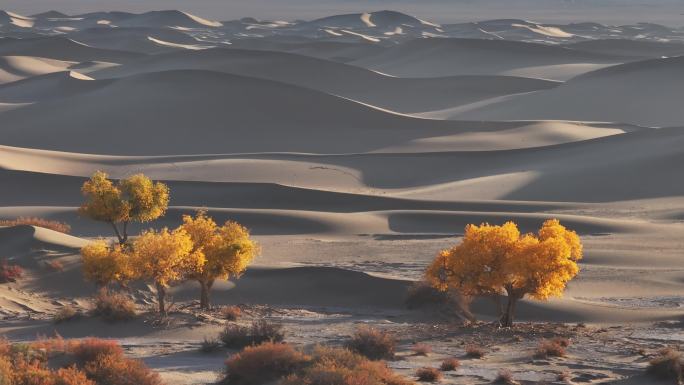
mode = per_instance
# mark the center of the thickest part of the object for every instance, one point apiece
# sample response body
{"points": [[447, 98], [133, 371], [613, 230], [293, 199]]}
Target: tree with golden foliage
{"points": [[498, 260], [134, 199], [104, 264], [228, 250], [164, 257]]}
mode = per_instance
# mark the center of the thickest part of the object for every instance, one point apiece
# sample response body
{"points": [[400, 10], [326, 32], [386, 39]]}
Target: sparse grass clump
{"points": [[231, 313], [266, 362], [505, 377], [210, 345], [552, 348], [421, 349], [64, 314], [39, 222], [450, 364], [372, 343], [236, 336], [668, 365], [9, 272], [429, 374], [113, 307], [475, 351]]}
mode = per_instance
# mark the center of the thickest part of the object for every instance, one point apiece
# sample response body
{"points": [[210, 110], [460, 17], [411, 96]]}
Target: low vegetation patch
{"points": [[62, 362], [236, 336], [113, 307], [269, 362], [373, 343], [64, 314], [231, 313], [39, 222], [505, 377], [552, 348], [668, 365], [55, 265], [475, 351], [449, 365], [9, 272], [429, 374], [421, 349], [210, 345]]}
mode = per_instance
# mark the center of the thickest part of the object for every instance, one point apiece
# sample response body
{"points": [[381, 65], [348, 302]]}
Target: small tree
{"points": [[164, 257], [104, 264], [135, 199], [499, 260], [228, 250]]}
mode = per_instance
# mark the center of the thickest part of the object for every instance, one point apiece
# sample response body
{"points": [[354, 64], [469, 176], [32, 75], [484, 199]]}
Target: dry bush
{"points": [[429, 374], [266, 362], [55, 265], [551, 348], [372, 343], [113, 307], [235, 336], [336, 366], [90, 349], [70, 376], [668, 365], [231, 313], [421, 349], [39, 222], [450, 364], [563, 376], [212, 345], [9, 272], [65, 313], [504, 377], [114, 370], [475, 351]]}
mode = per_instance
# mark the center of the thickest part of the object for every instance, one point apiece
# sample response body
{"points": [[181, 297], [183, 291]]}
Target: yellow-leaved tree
{"points": [[104, 264], [498, 260], [228, 250], [164, 257], [134, 199]]}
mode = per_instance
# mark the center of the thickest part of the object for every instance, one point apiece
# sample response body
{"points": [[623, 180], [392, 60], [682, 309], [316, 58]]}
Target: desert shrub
{"points": [[449, 365], [236, 336], [428, 374], [6, 371], [668, 365], [266, 362], [475, 351], [504, 377], [421, 349], [563, 376], [90, 349], [70, 376], [65, 313], [117, 370], [55, 265], [39, 222], [210, 345], [372, 343], [9, 272], [231, 313], [552, 348], [113, 307]]}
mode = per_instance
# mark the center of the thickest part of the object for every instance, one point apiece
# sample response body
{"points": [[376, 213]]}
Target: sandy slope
{"points": [[645, 93], [62, 48], [13, 68]]}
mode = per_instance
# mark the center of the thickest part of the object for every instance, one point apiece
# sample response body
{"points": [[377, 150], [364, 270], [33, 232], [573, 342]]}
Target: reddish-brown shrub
{"points": [[668, 365], [428, 374], [505, 377], [231, 313], [6, 370], [9, 272], [552, 348], [372, 343], [421, 349], [66, 313], [70, 376], [39, 222], [563, 376], [475, 351], [90, 349], [236, 336], [113, 307], [262, 363], [111, 369], [450, 364]]}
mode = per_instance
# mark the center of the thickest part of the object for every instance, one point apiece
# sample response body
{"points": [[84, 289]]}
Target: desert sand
{"points": [[354, 148]]}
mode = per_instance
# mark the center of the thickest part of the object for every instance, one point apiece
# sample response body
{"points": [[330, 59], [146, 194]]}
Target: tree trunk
{"points": [[507, 318], [205, 285], [118, 234], [124, 238], [161, 299]]}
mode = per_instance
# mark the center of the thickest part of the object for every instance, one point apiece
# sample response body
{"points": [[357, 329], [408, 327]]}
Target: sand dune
{"points": [[635, 48], [643, 93], [62, 48], [13, 68], [51, 86], [397, 94], [133, 39], [170, 18], [448, 57]]}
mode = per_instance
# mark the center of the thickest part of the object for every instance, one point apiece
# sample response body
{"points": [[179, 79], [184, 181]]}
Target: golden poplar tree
{"points": [[228, 250], [134, 199], [104, 264], [498, 260], [164, 257]]}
